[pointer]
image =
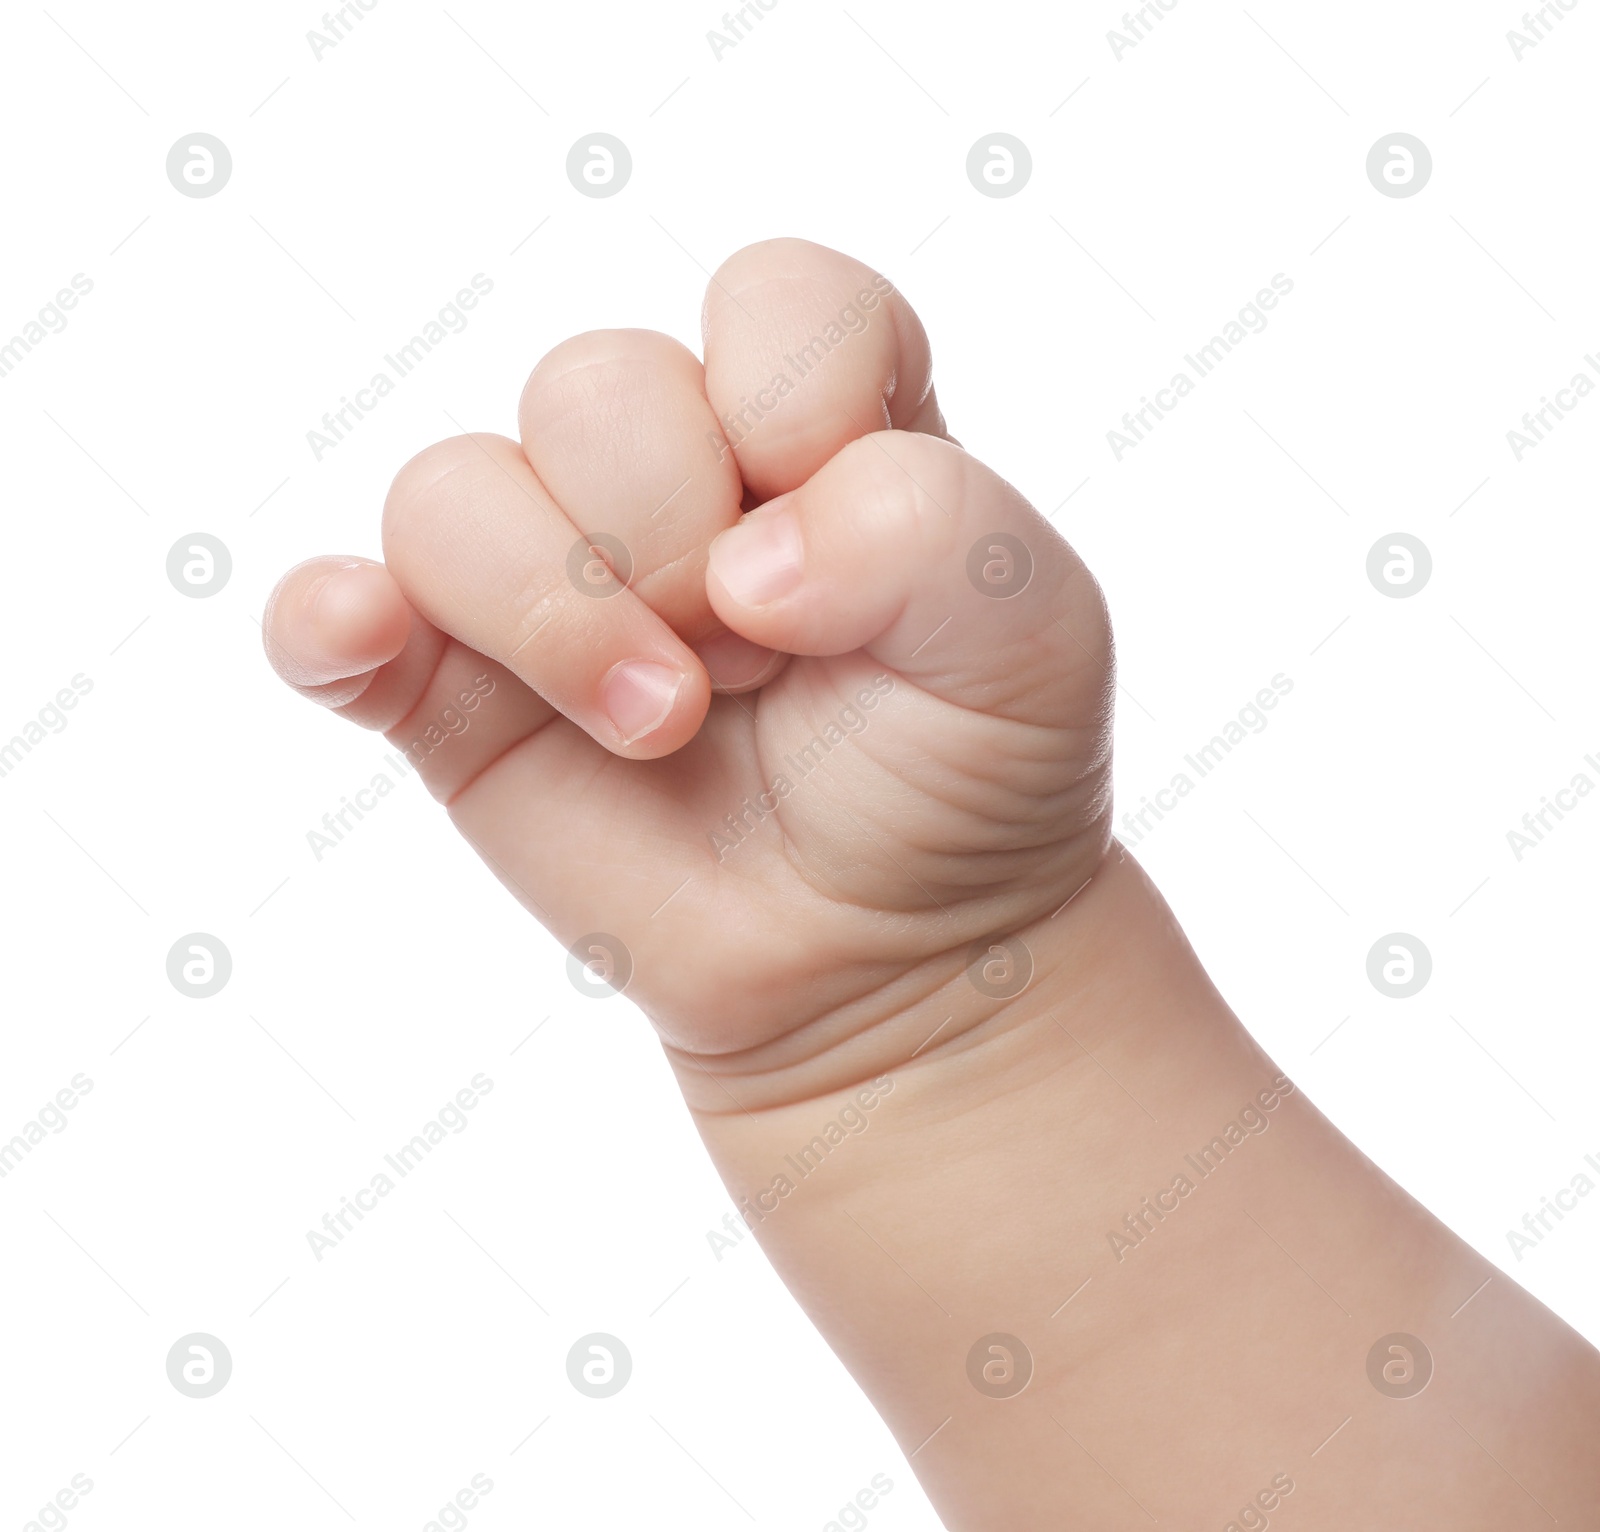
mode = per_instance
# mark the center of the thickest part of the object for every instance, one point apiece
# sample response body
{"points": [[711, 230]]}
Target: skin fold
{"points": [[795, 720]]}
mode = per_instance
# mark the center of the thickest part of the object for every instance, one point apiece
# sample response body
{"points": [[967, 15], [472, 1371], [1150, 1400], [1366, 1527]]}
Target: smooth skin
{"points": [[692, 586]]}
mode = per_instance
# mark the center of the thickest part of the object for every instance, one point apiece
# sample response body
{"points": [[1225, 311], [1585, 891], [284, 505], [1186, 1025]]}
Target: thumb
{"points": [[905, 546]]}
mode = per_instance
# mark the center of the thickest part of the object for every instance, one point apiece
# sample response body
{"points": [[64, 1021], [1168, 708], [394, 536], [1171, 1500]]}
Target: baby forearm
{"points": [[1098, 1261]]}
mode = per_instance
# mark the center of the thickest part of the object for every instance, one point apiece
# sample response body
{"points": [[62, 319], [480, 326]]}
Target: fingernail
{"points": [[336, 603], [638, 697], [760, 559], [731, 660]]}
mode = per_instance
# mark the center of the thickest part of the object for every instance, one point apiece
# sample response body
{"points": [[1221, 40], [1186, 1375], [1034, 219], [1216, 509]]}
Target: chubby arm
{"points": [[1099, 1263]]}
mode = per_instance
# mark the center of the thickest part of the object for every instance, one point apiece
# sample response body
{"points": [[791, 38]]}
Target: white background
{"points": [[370, 986]]}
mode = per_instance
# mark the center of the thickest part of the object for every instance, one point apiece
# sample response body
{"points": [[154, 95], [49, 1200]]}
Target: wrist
{"points": [[1054, 957]]}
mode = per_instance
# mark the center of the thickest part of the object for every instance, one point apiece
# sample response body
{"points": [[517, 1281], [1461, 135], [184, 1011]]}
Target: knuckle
{"points": [[598, 366], [434, 481], [912, 485], [539, 599]]}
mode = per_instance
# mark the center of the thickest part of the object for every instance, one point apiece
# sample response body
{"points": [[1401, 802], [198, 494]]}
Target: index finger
{"points": [[807, 350]]}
